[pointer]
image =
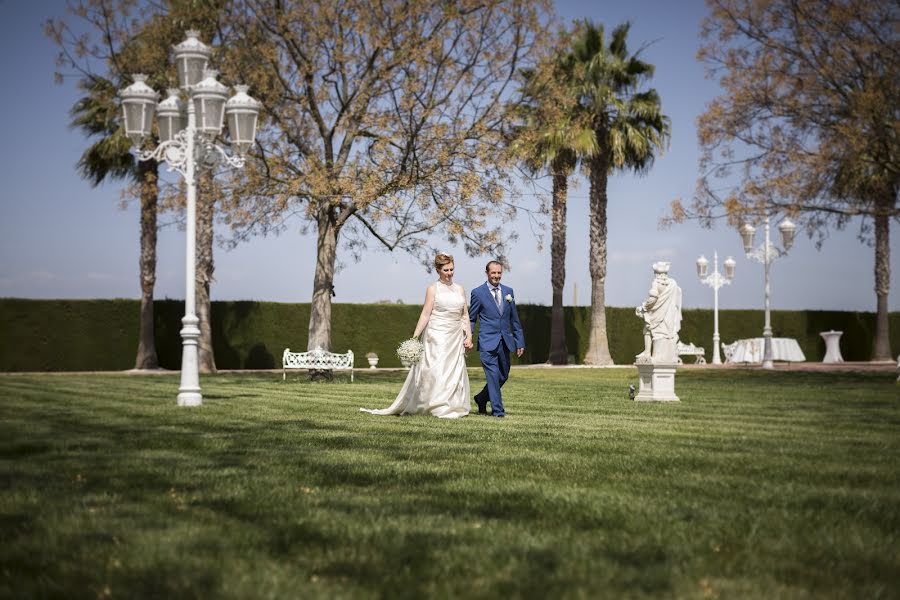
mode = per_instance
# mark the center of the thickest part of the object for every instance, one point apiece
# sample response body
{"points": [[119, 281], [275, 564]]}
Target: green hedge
{"points": [[85, 335]]}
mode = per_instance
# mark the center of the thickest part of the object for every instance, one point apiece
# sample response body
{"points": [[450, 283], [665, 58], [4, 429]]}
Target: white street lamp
{"points": [[170, 115], [715, 280], [138, 101], [241, 112], [184, 146], [209, 98], [191, 59], [766, 253]]}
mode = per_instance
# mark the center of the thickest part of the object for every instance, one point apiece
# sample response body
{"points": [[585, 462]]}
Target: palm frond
{"points": [[96, 115]]}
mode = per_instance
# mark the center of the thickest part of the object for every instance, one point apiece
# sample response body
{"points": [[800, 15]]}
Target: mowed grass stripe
{"points": [[756, 485]]}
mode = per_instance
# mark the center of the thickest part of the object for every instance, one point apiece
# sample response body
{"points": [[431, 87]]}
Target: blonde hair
{"points": [[442, 259]]}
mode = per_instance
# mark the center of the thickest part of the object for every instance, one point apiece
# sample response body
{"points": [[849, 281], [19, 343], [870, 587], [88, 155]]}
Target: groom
{"points": [[500, 332]]}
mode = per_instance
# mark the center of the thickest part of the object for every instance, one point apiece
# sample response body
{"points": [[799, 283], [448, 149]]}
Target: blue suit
{"points": [[499, 333]]}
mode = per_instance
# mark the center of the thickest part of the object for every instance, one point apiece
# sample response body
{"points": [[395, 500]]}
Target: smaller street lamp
{"points": [[170, 116], [209, 98], [715, 280], [138, 102], [188, 136], [766, 253]]}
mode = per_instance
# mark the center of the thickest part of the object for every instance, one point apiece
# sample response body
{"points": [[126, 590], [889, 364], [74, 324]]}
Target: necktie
{"points": [[497, 297]]}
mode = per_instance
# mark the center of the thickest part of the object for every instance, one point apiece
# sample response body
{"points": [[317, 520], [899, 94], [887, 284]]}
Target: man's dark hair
{"points": [[487, 267]]}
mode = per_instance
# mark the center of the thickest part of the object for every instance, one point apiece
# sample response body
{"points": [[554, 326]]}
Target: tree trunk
{"points": [[146, 352], [598, 344], [323, 280], [881, 346], [559, 355], [206, 208]]}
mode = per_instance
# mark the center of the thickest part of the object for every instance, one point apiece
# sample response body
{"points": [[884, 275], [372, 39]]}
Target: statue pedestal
{"points": [[657, 382]]}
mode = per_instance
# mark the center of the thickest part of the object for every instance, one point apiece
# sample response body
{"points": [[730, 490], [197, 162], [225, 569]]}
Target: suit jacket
{"points": [[495, 326]]}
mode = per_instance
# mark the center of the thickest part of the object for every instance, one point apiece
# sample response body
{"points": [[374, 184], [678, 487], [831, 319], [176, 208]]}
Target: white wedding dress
{"points": [[439, 383]]}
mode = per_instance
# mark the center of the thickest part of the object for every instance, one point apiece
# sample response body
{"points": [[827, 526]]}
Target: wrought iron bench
{"points": [[692, 350], [316, 359]]}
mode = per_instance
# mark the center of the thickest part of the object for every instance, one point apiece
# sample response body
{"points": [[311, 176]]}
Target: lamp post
{"points": [[187, 144], [715, 280], [766, 253]]}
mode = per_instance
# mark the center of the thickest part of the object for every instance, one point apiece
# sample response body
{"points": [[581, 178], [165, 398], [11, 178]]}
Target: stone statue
{"points": [[661, 312]]}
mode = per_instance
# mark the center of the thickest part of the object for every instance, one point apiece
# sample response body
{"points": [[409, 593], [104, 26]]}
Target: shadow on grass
{"points": [[608, 495]]}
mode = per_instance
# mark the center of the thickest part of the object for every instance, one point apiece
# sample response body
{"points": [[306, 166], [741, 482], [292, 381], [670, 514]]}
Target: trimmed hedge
{"points": [[88, 335]]}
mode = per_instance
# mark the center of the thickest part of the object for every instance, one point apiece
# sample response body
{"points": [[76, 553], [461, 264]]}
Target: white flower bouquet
{"points": [[410, 351]]}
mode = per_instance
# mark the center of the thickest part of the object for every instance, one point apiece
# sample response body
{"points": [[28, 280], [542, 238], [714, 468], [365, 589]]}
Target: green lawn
{"points": [[756, 485]]}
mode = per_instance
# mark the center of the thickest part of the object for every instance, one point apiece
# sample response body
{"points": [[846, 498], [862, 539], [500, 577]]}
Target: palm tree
{"points": [[552, 138], [208, 192], [630, 129], [95, 114]]}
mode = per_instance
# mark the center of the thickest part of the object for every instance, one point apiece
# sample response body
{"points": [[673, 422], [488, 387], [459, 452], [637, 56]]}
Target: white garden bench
{"points": [[691, 350], [316, 359]]}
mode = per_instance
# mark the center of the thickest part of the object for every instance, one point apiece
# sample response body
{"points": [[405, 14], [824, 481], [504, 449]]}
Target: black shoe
{"points": [[499, 416], [482, 406]]}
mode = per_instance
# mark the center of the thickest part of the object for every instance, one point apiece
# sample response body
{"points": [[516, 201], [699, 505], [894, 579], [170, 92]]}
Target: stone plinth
{"points": [[657, 382]]}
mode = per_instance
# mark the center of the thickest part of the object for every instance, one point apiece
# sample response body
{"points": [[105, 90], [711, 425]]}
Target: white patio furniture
{"points": [[751, 351], [832, 346], [316, 359], [691, 350]]}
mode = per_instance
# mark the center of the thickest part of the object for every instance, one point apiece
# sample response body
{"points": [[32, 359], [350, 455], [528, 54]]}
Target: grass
{"points": [[760, 485]]}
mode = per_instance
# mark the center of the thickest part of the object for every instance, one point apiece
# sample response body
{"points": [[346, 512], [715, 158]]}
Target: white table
{"points": [[832, 346], [751, 350]]}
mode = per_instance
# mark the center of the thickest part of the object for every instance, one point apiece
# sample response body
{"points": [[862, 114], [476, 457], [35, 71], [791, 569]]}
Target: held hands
{"points": [[467, 344], [520, 352]]}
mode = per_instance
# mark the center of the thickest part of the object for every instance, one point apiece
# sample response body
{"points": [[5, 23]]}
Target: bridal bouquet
{"points": [[410, 351]]}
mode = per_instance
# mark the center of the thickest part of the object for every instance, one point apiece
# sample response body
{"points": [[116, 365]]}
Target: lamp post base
{"points": [[189, 390], [190, 399], [716, 360], [768, 362]]}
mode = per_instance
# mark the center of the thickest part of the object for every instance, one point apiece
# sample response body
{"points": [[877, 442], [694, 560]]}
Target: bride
{"points": [[439, 383]]}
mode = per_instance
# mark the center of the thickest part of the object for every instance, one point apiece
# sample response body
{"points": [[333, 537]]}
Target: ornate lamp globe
{"points": [[747, 230], [209, 98], [702, 265], [138, 102], [787, 229], [170, 116], [191, 59], [729, 268], [242, 113]]}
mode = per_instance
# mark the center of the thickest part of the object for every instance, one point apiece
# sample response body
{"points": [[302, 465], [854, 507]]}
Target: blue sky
{"points": [[60, 238]]}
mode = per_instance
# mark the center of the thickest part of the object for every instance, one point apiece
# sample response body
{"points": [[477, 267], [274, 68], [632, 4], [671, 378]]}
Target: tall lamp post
{"points": [[766, 253], [185, 147], [715, 280]]}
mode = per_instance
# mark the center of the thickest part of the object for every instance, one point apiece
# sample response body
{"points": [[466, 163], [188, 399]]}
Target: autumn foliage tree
{"points": [[807, 124], [384, 124]]}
